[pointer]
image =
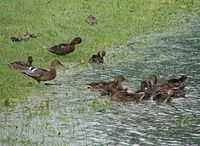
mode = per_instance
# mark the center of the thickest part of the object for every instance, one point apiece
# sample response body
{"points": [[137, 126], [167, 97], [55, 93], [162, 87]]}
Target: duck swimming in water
{"points": [[105, 88]]}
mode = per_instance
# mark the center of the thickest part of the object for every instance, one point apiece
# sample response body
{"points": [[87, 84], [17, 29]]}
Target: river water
{"points": [[71, 114]]}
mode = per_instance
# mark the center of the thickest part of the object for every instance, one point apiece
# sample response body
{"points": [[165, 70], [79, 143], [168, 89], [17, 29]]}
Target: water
{"points": [[74, 115]]}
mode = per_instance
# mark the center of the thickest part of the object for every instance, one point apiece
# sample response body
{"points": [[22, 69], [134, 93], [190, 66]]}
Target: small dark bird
{"points": [[64, 48], [25, 37], [21, 65], [105, 88], [98, 58], [91, 20], [40, 74]]}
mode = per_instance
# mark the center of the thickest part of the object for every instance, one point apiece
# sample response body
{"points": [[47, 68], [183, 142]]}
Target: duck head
{"points": [[56, 63], [76, 40], [102, 53], [120, 79]]}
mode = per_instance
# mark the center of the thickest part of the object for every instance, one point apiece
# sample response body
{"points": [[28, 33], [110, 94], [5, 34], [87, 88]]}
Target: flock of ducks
{"points": [[149, 89]]}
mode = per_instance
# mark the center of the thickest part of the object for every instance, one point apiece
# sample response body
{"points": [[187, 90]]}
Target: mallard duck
{"points": [[163, 96], [91, 20], [144, 89], [98, 58], [21, 65], [151, 82], [178, 81], [105, 88], [64, 48], [175, 86], [25, 37], [40, 74], [127, 95]]}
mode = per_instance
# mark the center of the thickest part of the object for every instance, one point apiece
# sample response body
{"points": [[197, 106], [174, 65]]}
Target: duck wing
{"points": [[34, 72]]}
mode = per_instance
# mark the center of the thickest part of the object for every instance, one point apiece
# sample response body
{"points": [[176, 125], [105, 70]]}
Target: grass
{"points": [[59, 21]]}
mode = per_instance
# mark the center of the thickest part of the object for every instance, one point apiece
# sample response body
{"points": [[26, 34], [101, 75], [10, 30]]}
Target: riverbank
{"points": [[55, 22]]}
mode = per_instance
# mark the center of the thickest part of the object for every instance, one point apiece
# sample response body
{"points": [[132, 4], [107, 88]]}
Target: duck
{"points": [[127, 95], [175, 86], [178, 81], [97, 58], [25, 37], [65, 48], [163, 96], [91, 20], [144, 89], [40, 74], [105, 88], [151, 82], [21, 65]]}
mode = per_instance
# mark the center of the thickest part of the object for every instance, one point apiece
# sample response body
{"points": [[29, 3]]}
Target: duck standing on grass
{"points": [[105, 88], [25, 37], [64, 48], [40, 74], [21, 65]]}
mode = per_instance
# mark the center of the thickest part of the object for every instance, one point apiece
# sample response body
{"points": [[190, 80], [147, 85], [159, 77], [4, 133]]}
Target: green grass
{"points": [[59, 21]]}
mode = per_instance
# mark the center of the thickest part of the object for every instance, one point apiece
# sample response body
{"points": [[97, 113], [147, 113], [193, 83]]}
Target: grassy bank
{"points": [[59, 21]]}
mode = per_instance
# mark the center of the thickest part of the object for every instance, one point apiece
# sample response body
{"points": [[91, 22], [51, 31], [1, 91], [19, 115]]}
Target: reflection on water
{"points": [[74, 115]]}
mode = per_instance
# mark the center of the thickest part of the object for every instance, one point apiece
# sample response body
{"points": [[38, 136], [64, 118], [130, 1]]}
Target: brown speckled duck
{"points": [[162, 96], [144, 89], [40, 74], [105, 88], [175, 86], [64, 48], [178, 81], [98, 58], [25, 37], [21, 65]]}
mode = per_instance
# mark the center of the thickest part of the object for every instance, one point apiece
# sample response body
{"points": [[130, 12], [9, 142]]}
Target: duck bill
{"points": [[63, 66], [125, 80]]}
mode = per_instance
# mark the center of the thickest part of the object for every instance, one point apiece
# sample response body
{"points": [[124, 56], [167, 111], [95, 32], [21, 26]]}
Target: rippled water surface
{"points": [[74, 115]]}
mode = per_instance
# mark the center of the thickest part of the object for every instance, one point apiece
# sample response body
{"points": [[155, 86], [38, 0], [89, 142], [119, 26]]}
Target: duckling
{"points": [[91, 20], [21, 65], [64, 48], [40, 74], [105, 88], [98, 58]]}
